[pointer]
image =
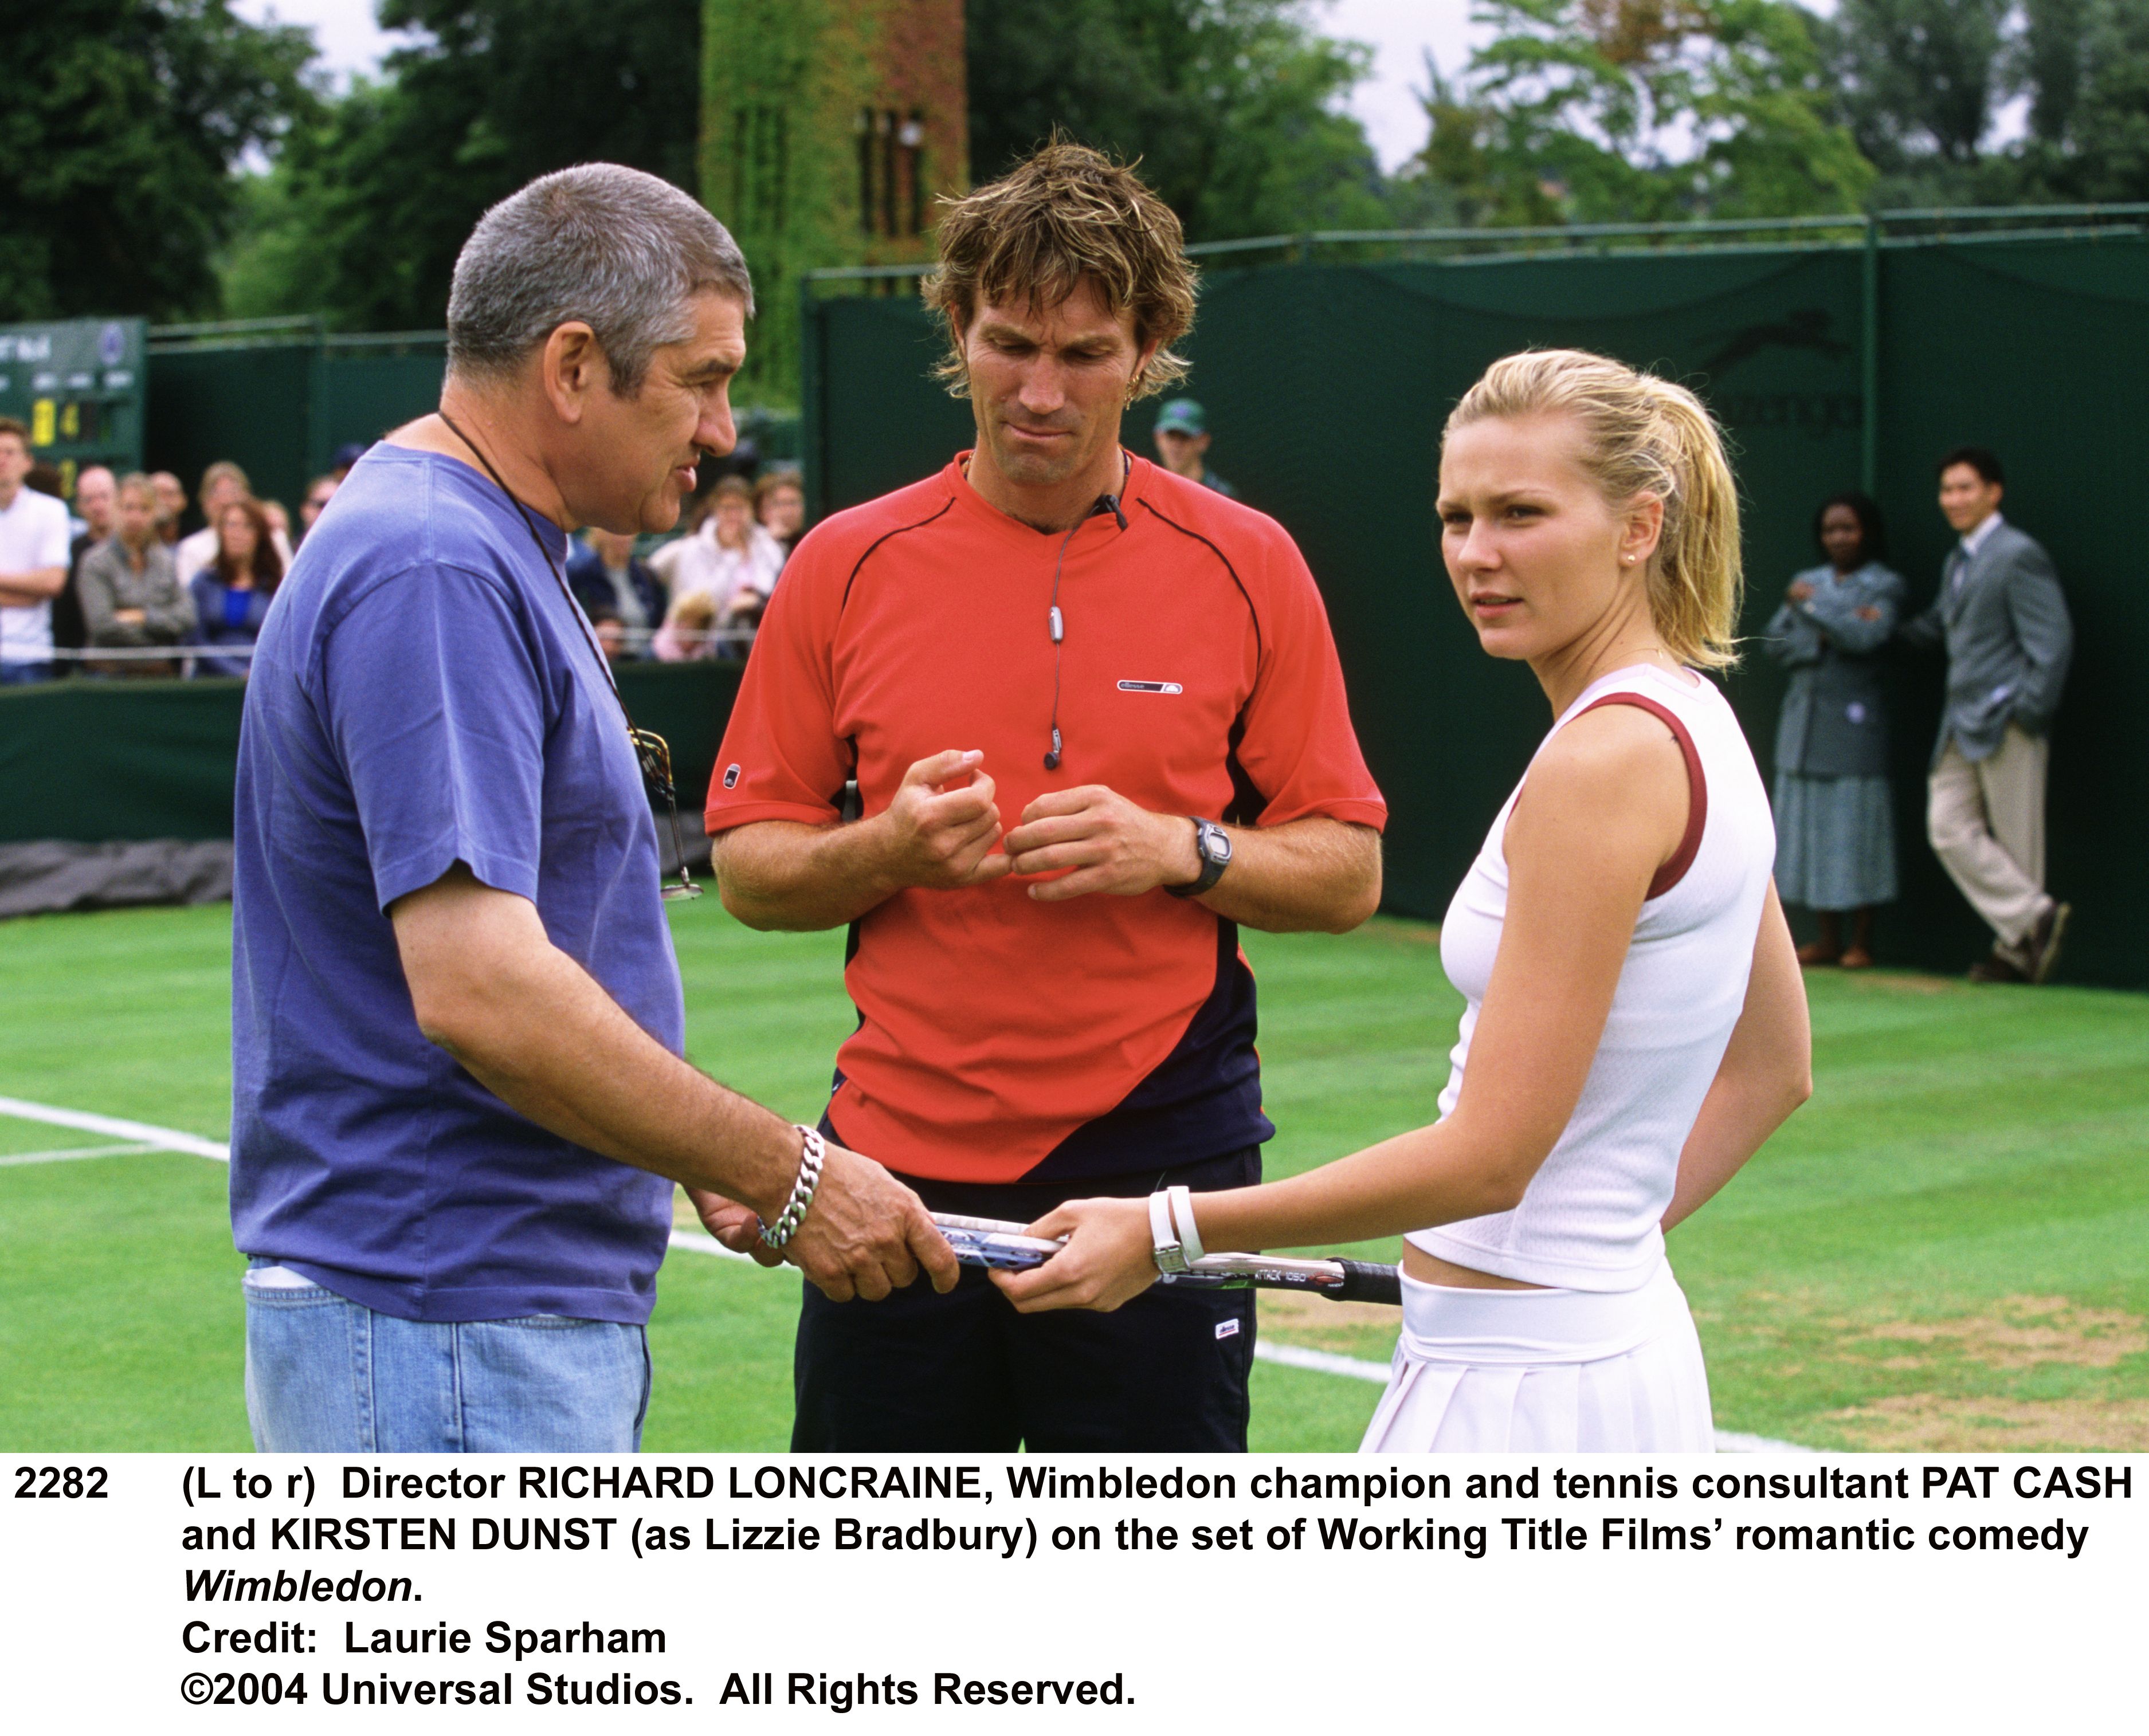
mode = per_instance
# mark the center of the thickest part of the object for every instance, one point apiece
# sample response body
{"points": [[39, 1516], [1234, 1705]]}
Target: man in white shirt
{"points": [[222, 484], [34, 540]]}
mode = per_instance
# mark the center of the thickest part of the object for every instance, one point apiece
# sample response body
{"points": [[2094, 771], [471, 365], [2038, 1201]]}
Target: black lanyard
{"points": [[651, 752]]}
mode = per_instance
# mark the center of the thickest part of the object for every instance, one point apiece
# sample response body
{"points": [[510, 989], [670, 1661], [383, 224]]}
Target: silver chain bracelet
{"points": [[774, 1235]]}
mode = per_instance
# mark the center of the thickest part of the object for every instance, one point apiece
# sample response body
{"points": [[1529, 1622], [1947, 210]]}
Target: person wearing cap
{"points": [[1182, 442], [1095, 722]]}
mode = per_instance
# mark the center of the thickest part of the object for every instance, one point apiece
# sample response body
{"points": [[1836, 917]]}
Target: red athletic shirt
{"points": [[999, 1039]]}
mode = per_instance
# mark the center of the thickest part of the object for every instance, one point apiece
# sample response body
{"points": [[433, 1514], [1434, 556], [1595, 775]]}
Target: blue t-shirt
{"points": [[424, 693]]}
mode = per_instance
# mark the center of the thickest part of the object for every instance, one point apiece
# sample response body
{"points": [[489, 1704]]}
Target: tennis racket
{"points": [[992, 1243]]}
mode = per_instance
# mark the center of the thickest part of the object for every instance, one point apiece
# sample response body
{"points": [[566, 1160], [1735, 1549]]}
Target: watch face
{"points": [[1215, 844]]}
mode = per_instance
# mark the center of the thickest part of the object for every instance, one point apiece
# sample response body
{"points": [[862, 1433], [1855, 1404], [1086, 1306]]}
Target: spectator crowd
{"points": [[113, 588], [107, 584]]}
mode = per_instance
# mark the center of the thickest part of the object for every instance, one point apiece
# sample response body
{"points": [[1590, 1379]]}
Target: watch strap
{"points": [[1212, 865]]}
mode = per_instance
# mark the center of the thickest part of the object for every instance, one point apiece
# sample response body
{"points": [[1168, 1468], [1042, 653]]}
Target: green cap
{"points": [[1182, 415]]}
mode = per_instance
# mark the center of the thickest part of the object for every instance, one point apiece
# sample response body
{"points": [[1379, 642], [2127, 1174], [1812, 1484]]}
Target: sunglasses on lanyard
{"points": [[651, 752]]}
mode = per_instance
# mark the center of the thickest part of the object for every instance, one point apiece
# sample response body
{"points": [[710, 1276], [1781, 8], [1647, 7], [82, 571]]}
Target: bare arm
{"points": [[1314, 873], [939, 830], [535, 1029], [1766, 1072], [1605, 805], [26, 590]]}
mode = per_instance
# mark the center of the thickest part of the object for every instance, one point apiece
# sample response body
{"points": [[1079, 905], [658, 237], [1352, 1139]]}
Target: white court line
{"points": [[1731, 1441], [694, 1244], [162, 1139], [1291, 1355], [68, 1154], [165, 1139]]}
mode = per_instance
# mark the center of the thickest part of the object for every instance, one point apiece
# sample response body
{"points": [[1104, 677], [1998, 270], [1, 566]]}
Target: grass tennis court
{"points": [[1948, 1248]]}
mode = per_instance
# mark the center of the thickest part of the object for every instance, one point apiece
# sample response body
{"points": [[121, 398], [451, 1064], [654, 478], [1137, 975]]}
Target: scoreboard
{"points": [[79, 386]]}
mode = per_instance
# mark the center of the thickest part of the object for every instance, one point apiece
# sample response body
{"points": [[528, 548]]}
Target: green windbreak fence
{"points": [[279, 397], [96, 760], [1327, 378]]}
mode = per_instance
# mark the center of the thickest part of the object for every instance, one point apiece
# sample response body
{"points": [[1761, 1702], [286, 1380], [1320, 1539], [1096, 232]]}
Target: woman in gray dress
{"points": [[1835, 835]]}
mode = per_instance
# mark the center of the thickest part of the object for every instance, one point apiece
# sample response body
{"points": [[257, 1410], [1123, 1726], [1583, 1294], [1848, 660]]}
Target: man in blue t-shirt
{"points": [[459, 1100]]}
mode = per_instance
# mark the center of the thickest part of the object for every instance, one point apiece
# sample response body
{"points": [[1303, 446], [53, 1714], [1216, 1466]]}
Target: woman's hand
{"points": [[1109, 1259]]}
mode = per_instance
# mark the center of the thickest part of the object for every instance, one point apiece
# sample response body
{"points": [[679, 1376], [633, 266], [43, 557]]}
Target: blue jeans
{"points": [[18, 675], [327, 1374]]}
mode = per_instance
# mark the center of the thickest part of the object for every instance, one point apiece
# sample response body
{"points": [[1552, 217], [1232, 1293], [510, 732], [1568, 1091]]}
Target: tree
{"points": [[366, 208], [1921, 82], [120, 122], [1234, 106], [1642, 110], [1919, 78], [2086, 65]]}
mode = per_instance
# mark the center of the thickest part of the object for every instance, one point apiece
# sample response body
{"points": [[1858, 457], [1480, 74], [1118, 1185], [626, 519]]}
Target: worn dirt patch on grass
{"points": [[2020, 1331], [1351, 1328], [1927, 1422], [1903, 982]]}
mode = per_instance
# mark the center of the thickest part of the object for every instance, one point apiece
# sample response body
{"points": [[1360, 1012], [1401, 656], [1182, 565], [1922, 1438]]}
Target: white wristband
{"points": [[1182, 1218], [1171, 1257]]}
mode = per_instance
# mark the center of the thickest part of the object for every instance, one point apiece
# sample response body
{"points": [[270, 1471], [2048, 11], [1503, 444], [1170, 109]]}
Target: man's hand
{"points": [[130, 617], [939, 832], [1800, 590], [1110, 844], [940, 829], [864, 1235]]}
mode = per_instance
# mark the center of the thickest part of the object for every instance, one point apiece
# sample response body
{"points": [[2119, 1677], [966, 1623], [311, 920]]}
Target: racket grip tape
{"points": [[1365, 1281]]}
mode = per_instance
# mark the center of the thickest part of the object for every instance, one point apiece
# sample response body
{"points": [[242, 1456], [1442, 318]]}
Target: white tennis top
{"points": [[1589, 1219]]}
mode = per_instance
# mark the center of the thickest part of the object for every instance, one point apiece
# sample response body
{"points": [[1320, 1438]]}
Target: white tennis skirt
{"points": [[1545, 1371]]}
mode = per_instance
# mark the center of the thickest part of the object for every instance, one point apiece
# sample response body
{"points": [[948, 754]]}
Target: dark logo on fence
{"points": [[1818, 413], [1803, 329]]}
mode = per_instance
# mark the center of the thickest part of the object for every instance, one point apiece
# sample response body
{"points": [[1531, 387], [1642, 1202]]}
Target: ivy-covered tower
{"points": [[828, 128]]}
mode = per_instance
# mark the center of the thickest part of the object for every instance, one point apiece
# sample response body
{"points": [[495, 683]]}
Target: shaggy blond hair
{"points": [[1065, 214], [1643, 436]]}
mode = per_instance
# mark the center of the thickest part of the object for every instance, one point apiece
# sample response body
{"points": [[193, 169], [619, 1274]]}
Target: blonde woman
{"points": [[1636, 1024]]}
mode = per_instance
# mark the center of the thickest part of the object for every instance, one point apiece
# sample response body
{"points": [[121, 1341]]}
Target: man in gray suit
{"points": [[2004, 624]]}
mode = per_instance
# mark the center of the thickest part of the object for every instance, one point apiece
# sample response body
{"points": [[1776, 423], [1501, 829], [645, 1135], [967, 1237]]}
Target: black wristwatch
{"points": [[1212, 843]]}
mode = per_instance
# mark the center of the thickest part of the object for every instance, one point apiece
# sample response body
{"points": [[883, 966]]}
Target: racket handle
{"points": [[1364, 1282]]}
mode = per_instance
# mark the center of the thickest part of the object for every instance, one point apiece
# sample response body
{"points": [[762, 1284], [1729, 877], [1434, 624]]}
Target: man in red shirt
{"points": [[1052, 669]]}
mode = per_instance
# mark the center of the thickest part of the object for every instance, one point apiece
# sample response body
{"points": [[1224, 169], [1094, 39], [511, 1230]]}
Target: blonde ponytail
{"points": [[1643, 436]]}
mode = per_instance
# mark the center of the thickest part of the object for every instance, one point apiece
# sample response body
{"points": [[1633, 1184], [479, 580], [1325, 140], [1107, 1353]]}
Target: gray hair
{"points": [[619, 250]]}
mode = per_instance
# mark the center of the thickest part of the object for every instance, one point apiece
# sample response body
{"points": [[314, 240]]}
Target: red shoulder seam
{"points": [[1697, 789]]}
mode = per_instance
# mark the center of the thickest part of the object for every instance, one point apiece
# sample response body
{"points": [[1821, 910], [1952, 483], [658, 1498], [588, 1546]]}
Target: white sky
{"points": [[1400, 32]]}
